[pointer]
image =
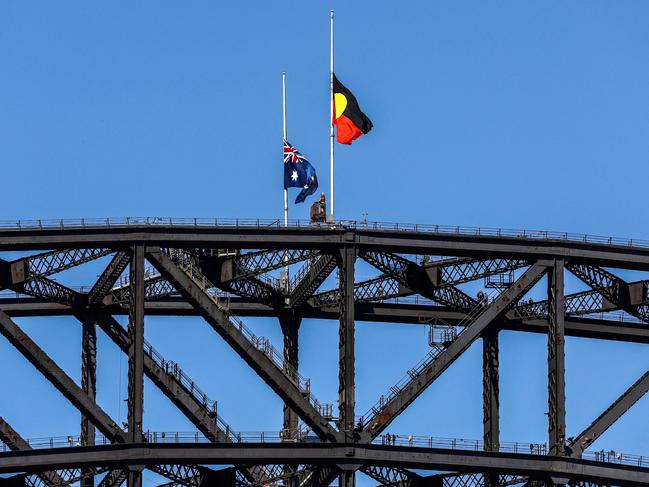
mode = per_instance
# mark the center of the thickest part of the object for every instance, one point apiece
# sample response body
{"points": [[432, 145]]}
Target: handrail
{"points": [[172, 368], [400, 440], [341, 224]]}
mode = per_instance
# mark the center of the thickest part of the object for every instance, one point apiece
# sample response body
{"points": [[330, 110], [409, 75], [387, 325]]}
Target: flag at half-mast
{"points": [[350, 121], [298, 173]]}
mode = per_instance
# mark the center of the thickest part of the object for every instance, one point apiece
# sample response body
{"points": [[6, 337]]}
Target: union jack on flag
{"points": [[291, 154], [298, 173]]}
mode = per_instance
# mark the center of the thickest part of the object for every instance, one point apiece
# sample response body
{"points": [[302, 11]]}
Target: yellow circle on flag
{"points": [[340, 102]]}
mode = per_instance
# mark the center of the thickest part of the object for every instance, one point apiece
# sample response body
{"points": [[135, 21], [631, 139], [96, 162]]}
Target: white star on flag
{"points": [[294, 176]]}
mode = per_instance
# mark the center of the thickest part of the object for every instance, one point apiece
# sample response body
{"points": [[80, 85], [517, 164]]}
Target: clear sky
{"points": [[500, 114]]}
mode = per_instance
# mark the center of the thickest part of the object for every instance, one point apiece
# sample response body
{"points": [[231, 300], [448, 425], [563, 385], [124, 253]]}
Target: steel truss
{"points": [[223, 272]]}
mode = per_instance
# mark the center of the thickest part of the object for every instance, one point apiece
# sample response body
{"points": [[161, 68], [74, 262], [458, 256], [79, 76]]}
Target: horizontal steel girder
{"points": [[323, 454], [326, 238], [396, 313], [15, 442]]}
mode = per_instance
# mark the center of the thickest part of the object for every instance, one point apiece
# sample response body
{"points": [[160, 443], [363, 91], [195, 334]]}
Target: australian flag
{"points": [[298, 173]]}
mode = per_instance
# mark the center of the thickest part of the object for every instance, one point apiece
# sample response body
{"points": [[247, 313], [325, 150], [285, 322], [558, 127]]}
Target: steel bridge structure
{"points": [[226, 270]]}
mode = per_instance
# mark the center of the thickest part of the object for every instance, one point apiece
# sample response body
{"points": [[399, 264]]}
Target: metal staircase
{"points": [[309, 278]]}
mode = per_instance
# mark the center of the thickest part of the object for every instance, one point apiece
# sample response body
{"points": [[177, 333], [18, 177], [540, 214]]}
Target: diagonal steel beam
{"points": [[286, 385], [620, 406], [59, 379], [438, 361]]}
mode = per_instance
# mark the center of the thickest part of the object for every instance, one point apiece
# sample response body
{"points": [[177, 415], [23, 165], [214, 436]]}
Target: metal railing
{"points": [[125, 280], [463, 444], [299, 275], [344, 224], [173, 369]]}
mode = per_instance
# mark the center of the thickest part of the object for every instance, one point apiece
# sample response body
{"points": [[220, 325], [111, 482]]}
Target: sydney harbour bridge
{"points": [[226, 270]]}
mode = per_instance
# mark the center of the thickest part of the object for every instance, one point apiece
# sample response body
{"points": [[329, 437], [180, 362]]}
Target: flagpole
{"points": [[332, 114], [285, 138]]}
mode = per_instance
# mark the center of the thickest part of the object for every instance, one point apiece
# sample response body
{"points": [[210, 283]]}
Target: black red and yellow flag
{"points": [[348, 118]]}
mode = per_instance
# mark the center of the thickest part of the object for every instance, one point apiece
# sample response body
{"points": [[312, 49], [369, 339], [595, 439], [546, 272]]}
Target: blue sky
{"points": [[500, 114]]}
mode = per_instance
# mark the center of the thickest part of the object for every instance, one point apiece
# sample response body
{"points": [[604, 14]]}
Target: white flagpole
{"points": [[332, 114], [285, 138]]}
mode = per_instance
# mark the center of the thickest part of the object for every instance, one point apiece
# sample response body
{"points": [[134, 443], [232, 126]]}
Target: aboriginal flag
{"points": [[351, 122]]}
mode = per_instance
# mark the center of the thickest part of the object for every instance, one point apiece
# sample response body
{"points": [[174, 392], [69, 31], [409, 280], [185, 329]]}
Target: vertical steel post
{"points": [[556, 360], [490, 397], [136, 355], [346, 359], [490, 391], [88, 382], [290, 324]]}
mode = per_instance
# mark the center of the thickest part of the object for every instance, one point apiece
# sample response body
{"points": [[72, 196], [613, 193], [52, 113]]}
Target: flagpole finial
{"points": [[331, 13]]}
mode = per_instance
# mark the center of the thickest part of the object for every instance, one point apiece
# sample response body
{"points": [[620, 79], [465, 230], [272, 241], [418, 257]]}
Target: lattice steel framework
{"points": [[221, 272]]}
